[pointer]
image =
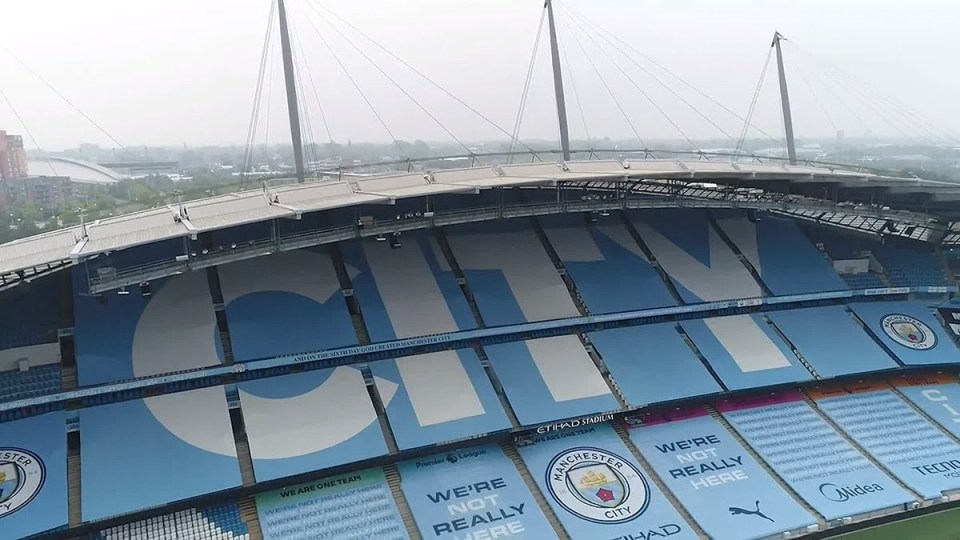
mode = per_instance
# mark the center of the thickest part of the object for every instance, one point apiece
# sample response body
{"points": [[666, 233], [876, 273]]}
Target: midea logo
{"points": [[836, 493]]}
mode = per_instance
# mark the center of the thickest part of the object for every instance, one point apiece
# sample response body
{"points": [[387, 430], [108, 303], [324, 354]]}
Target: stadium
{"points": [[608, 347], [532, 351]]}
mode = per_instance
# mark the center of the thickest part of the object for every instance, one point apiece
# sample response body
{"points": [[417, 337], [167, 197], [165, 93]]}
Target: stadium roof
{"points": [[79, 171], [291, 201]]}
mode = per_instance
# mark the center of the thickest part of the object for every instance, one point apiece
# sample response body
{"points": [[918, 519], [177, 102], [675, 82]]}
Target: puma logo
{"points": [[740, 511]]}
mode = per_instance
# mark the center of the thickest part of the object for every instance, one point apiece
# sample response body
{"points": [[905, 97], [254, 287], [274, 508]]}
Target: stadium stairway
{"points": [[821, 522], [793, 348], [645, 465], [582, 307], [363, 338], [248, 513], [444, 245], [826, 418], [394, 481], [650, 257], [246, 461], [511, 451], [712, 220], [74, 514]]}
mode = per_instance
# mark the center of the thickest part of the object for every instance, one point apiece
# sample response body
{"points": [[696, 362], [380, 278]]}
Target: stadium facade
{"points": [[602, 349]]}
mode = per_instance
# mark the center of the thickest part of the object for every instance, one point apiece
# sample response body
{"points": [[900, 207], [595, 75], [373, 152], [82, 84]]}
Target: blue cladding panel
{"points": [[33, 475], [596, 488], [940, 401], [471, 492], [919, 454], [132, 461], [452, 398], [789, 264], [895, 323], [291, 428], [609, 269], [814, 460], [745, 352], [528, 392], [703, 466], [831, 341], [353, 505], [652, 363]]}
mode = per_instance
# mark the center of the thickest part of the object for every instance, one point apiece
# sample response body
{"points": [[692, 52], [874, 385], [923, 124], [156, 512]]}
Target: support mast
{"points": [[785, 101], [558, 84], [291, 83]]}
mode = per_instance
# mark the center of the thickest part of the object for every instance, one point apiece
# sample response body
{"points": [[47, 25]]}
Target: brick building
{"points": [[13, 157]]}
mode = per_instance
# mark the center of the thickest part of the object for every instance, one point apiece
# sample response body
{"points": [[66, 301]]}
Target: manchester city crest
{"points": [[21, 477], [597, 485], [909, 332]]}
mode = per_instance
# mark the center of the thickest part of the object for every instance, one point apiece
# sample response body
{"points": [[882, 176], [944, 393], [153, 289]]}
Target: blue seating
{"points": [[918, 453], [786, 261], [473, 492], [357, 504], [904, 266], [830, 340], [637, 359], [812, 458], [866, 280], [36, 317], [220, 522], [609, 269], [910, 330], [702, 463], [745, 352], [36, 381]]}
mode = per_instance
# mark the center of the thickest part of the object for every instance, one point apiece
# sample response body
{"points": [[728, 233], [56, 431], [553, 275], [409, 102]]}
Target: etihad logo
{"points": [[841, 494], [909, 332]]}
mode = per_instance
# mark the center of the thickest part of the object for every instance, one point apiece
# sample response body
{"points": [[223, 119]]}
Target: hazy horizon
{"points": [[184, 72]]}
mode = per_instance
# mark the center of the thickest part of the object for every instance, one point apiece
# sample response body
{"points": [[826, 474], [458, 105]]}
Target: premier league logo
{"points": [[909, 332], [21, 477], [597, 485]]}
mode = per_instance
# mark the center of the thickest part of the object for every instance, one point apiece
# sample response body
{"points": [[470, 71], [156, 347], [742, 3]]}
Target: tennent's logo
{"points": [[597, 485], [21, 478], [909, 332]]}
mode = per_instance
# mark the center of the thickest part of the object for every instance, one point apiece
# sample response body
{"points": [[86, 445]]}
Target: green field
{"points": [[940, 526]]}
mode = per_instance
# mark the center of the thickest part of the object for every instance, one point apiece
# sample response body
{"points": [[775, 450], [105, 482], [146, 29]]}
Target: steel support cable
{"points": [[602, 31], [437, 85], [526, 83], [816, 98], [879, 113], [903, 109], [573, 84], [898, 107], [396, 84], [66, 100], [356, 86], [753, 105], [644, 94], [23, 124], [258, 92], [603, 81], [638, 87], [316, 93]]}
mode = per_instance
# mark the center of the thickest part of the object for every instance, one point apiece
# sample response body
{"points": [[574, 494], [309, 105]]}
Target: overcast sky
{"points": [[184, 71]]}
